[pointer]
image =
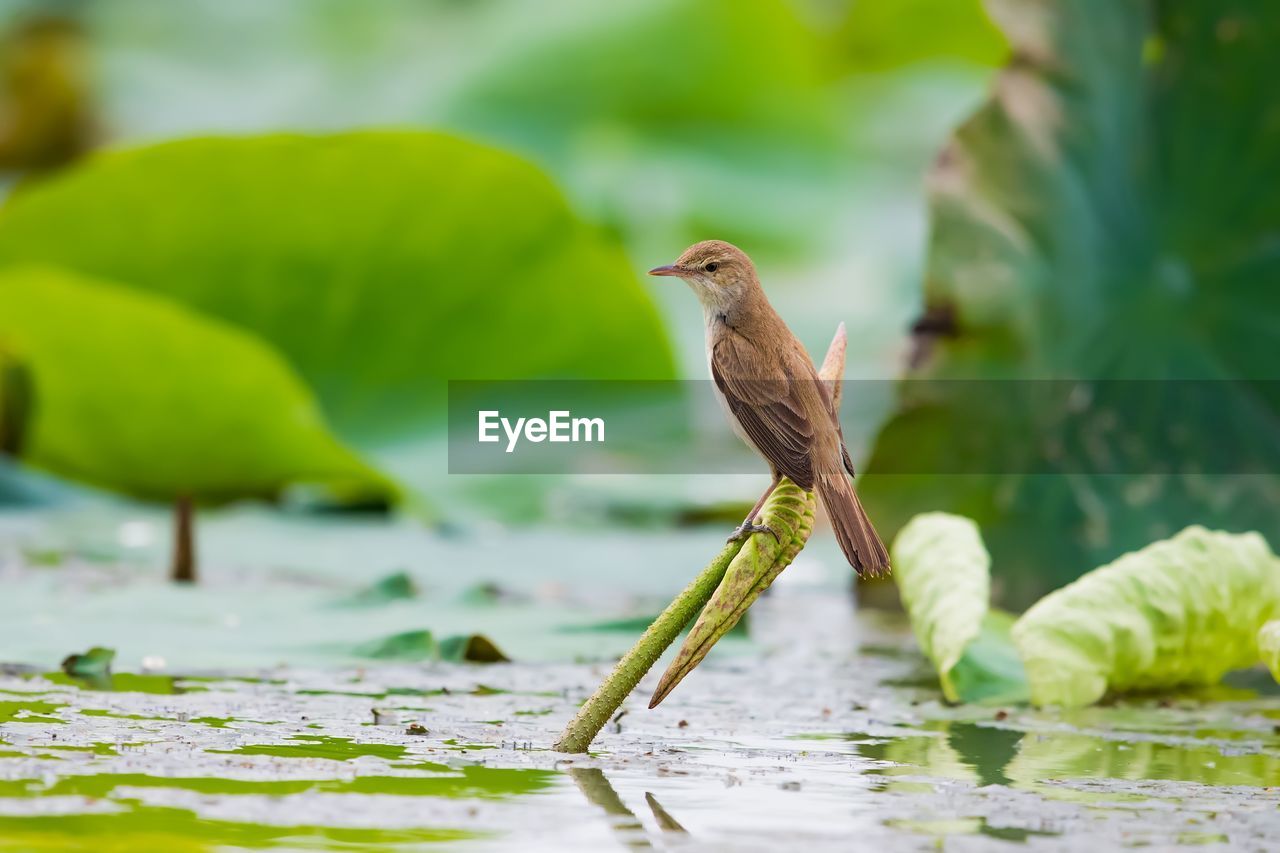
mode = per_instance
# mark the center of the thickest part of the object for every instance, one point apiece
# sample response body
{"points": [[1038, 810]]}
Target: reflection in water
{"points": [[949, 750], [991, 755], [665, 821], [597, 789], [986, 749], [1063, 755], [595, 786]]}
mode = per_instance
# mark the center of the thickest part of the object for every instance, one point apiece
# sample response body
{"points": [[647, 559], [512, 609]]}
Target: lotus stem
{"points": [[184, 541]]}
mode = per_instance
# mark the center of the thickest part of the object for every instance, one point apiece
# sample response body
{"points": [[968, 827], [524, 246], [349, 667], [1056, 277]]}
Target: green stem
{"points": [[593, 715]]}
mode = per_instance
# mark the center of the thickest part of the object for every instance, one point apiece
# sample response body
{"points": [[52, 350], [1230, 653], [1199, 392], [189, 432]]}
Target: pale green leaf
{"points": [[1182, 611], [943, 575]]}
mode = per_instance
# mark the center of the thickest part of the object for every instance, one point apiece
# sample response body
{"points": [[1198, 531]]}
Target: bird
{"points": [[775, 402]]}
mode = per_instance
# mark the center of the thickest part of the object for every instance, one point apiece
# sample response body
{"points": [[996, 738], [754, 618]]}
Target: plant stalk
{"points": [[184, 541], [593, 715]]}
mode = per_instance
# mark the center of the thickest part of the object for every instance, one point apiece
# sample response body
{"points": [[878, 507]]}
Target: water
{"points": [[823, 728]]}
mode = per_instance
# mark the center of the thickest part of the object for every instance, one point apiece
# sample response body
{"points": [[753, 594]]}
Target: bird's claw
{"points": [[742, 531]]}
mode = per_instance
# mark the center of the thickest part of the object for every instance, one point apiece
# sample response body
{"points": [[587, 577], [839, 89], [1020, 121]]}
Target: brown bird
{"points": [[775, 401]]}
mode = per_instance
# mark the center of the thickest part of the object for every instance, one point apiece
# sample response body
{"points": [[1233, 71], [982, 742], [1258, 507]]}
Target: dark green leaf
{"points": [[1102, 217]]}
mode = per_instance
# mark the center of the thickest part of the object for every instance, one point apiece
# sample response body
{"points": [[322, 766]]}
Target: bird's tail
{"points": [[857, 537]]}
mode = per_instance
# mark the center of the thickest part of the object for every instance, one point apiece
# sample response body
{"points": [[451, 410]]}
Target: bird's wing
{"points": [[767, 407]]}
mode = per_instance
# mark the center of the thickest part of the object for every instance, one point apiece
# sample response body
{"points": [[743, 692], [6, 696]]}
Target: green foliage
{"points": [[1101, 217], [1269, 647], [942, 571], [137, 394], [878, 35], [712, 114], [379, 264], [1179, 612], [655, 66]]}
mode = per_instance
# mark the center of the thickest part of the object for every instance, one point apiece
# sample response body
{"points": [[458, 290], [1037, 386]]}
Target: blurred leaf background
{"points": [[352, 202]]}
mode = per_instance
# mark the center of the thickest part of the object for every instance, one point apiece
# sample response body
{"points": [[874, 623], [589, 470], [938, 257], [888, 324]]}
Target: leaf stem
{"points": [[592, 716], [184, 547]]}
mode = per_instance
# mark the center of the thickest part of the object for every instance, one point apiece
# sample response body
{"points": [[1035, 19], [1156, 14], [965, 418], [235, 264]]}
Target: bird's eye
{"points": [[712, 267]]}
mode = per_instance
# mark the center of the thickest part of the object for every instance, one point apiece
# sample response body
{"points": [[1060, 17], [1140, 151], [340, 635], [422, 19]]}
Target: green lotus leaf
{"points": [[137, 394], [1099, 219], [876, 35], [379, 264], [942, 570], [713, 114], [1182, 611]]}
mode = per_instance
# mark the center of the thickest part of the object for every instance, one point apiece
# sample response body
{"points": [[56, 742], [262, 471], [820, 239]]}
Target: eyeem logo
{"points": [[560, 426]]}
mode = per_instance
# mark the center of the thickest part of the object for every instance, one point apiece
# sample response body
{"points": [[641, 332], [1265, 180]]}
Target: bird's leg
{"points": [[746, 528]]}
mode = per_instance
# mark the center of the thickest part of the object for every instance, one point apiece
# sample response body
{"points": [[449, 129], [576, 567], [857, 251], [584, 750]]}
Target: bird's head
{"points": [[719, 272]]}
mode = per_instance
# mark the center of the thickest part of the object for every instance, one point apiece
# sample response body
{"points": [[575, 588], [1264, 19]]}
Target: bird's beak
{"points": [[670, 269]]}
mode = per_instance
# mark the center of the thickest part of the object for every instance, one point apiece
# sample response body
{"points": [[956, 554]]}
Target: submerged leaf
{"points": [[1183, 611], [143, 396], [942, 571]]}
